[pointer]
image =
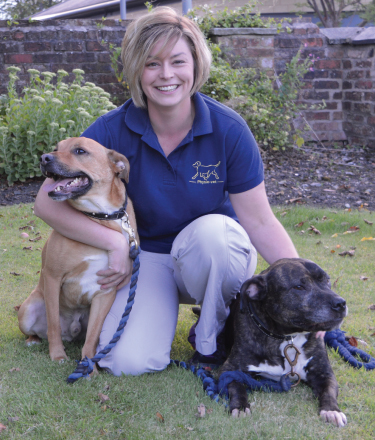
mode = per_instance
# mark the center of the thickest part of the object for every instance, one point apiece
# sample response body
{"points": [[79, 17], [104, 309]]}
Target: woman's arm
{"points": [[76, 226], [265, 231]]}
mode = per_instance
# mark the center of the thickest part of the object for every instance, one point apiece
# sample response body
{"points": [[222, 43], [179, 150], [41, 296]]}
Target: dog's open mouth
{"points": [[67, 187]]}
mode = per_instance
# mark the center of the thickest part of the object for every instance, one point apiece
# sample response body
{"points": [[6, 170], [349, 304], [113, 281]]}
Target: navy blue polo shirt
{"points": [[218, 156]]}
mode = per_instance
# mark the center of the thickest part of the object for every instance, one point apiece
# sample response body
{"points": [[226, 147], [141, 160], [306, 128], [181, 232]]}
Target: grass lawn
{"points": [[36, 402]]}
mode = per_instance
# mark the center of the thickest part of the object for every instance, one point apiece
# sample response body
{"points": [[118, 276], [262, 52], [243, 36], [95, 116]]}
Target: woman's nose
{"points": [[166, 71]]}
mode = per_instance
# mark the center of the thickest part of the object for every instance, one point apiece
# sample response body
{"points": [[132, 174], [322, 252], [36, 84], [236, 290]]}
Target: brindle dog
{"points": [[292, 298]]}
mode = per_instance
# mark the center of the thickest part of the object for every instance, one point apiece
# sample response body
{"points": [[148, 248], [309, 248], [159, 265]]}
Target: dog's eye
{"points": [[299, 287], [79, 151]]}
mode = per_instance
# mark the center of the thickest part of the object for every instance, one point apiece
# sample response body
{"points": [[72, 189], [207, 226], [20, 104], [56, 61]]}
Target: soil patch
{"points": [[322, 177]]}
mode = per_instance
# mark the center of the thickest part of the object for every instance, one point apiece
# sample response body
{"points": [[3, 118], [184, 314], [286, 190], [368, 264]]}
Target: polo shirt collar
{"points": [[138, 121]]}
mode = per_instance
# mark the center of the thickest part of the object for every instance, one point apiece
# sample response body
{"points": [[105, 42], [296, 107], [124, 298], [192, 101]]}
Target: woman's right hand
{"points": [[120, 266]]}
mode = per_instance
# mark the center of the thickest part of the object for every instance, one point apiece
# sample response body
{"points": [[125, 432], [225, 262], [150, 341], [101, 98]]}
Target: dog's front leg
{"points": [[100, 306], [52, 286], [324, 385], [239, 405]]}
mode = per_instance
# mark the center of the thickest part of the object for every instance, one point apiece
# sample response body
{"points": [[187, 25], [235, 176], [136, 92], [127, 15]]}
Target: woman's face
{"points": [[168, 77]]}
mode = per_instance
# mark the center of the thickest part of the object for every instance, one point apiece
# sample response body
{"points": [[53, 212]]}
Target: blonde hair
{"points": [[143, 33]]}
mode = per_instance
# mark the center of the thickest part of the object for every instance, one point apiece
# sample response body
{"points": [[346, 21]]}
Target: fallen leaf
{"points": [[334, 285], [363, 278], [15, 274], [283, 213], [332, 251], [318, 242], [24, 235], [324, 218], [189, 428], [3, 427], [201, 411], [12, 370], [160, 417], [334, 235], [103, 398], [353, 341], [27, 248], [13, 419], [298, 225], [368, 238], [345, 253], [313, 229], [36, 238], [372, 307], [373, 334], [368, 222], [338, 246], [354, 228]]}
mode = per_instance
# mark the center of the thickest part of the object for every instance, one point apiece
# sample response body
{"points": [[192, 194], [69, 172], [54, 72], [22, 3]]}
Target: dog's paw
{"points": [[337, 418], [33, 339], [236, 413]]}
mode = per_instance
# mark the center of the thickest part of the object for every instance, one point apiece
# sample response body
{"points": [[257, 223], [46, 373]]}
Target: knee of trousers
{"points": [[212, 238], [135, 363]]}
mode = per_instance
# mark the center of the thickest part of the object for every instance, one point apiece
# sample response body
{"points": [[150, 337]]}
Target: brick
{"points": [[327, 64], [313, 42], [355, 74], [346, 105], [317, 96], [71, 46], [9, 47], [363, 84], [331, 105], [353, 96], [363, 64], [335, 74], [94, 46], [347, 85], [346, 64], [337, 95], [338, 116], [104, 58], [299, 31], [18, 58], [318, 116], [259, 53], [239, 42], [18, 36], [362, 107], [316, 74], [369, 96], [326, 126], [80, 57], [334, 53], [48, 58], [326, 85], [37, 47], [98, 68], [289, 43]]}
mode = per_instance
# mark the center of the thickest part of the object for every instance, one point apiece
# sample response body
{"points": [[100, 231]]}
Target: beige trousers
{"points": [[209, 261]]}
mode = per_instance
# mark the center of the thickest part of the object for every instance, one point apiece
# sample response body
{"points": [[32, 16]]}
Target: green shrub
{"points": [[45, 113]]}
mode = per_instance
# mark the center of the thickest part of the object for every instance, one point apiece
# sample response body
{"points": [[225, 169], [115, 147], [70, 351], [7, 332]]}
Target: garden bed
{"points": [[337, 178]]}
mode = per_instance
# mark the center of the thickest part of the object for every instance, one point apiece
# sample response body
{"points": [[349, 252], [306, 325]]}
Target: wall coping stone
{"points": [[349, 35], [243, 31]]}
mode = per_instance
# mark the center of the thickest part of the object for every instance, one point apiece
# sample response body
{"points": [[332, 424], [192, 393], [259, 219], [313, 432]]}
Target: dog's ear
{"points": [[119, 164], [255, 288]]}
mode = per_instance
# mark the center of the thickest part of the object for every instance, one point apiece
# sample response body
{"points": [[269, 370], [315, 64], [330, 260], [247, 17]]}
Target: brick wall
{"points": [[61, 44], [343, 75]]}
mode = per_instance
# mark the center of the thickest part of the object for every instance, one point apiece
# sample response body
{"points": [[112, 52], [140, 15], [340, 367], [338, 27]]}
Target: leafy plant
{"points": [[45, 113]]}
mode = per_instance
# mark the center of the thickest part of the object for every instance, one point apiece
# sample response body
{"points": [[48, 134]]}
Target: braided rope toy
{"points": [[336, 339], [86, 365]]}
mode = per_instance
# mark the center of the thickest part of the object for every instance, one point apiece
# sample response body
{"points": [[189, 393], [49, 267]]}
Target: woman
{"points": [[195, 170]]}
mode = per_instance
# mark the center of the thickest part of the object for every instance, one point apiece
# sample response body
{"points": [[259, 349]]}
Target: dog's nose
{"points": [[45, 158], [338, 304]]}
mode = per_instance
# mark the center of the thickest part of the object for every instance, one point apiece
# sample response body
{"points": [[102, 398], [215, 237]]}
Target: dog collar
{"points": [[263, 328], [117, 215]]}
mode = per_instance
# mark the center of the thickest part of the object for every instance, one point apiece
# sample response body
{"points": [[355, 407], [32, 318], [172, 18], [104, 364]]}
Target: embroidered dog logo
{"points": [[205, 171]]}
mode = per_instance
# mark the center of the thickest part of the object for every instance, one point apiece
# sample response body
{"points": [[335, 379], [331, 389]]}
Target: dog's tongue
{"points": [[54, 185]]}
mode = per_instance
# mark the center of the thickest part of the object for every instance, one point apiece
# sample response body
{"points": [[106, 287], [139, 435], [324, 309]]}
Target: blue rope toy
{"points": [[336, 340], [86, 365]]}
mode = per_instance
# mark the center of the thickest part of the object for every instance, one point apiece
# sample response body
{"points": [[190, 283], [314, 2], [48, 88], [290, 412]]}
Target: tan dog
{"points": [[68, 303]]}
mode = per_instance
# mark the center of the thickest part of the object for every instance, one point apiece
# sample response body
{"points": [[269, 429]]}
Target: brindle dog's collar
{"points": [[114, 216], [264, 329]]}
